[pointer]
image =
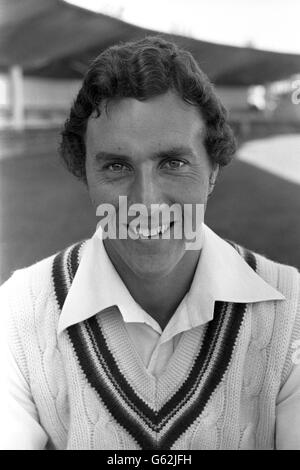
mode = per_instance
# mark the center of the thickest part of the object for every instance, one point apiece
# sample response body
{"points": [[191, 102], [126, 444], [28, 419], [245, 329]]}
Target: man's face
{"points": [[152, 152]]}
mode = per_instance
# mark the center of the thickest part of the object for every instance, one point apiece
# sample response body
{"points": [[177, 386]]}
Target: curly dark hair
{"points": [[144, 69]]}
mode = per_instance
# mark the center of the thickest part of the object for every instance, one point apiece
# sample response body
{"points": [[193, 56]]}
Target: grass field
{"points": [[44, 209]]}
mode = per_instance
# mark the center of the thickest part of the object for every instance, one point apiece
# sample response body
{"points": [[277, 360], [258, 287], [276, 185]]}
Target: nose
{"points": [[145, 189]]}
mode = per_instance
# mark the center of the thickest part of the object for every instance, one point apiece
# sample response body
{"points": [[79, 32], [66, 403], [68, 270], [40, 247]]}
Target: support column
{"points": [[17, 97]]}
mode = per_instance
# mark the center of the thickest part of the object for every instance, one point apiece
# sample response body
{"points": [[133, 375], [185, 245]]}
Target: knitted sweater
{"points": [[218, 392]]}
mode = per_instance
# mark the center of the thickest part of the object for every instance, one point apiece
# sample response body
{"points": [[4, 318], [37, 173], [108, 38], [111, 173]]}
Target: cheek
{"points": [[98, 189], [101, 192], [193, 191], [95, 188]]}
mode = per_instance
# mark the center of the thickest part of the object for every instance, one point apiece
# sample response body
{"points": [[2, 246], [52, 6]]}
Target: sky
{"points": [[264, 24]]}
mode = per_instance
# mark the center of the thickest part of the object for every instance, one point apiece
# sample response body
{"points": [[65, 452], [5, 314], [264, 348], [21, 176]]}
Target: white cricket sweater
{"points": [[218, 392]]}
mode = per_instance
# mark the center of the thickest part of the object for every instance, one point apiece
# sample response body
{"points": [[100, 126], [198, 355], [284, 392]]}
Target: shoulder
{"points": [[278, 320], [23, 298], [28, 282], [286, 280], [33, 286], [283, 277], [30, 309]]}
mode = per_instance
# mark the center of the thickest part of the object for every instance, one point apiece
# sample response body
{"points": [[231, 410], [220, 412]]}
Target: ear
{"points": [[213, 178]]}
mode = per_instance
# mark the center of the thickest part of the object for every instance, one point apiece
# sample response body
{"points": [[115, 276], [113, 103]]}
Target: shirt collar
{"points": [[221, 275]]}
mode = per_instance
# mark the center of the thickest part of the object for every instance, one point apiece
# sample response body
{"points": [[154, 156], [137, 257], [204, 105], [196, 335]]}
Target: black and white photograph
{"points": [[149, 227]]}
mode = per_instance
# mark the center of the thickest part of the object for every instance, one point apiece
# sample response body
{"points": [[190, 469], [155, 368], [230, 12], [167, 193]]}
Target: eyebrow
{"points": [[172, 152]]}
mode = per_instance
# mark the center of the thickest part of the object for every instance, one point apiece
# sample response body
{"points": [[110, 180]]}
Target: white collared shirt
{"points": [[221, 275]]}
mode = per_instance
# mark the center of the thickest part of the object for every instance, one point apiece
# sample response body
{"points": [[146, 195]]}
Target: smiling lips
{"points": [[145, 233]]}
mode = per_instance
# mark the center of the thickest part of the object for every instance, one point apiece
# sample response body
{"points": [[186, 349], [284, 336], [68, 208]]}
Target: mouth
{"points": [[153, 233]]}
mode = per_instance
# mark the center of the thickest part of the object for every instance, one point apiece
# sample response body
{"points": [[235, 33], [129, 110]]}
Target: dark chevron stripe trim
{"points": [[246, 254], [73, 260], [69, 259], [151, 429], [250, 259], [60, 285]]}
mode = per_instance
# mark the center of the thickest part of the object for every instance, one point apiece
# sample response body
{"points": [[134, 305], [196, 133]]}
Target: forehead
{"points": [[128, 124]]}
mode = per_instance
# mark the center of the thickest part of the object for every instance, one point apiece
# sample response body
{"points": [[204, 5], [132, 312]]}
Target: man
{"points": [[150, 340]]}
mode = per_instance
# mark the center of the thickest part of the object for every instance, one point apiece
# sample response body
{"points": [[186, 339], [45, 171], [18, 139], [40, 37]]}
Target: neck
{"points": [[161, 296]]}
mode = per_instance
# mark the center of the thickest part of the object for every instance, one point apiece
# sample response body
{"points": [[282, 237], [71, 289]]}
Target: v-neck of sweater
{"points": [[152, 389]]}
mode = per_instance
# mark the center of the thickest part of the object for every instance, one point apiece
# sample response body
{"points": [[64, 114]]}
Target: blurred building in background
{"points": [[41, 103], [46, 45], [45, 48]]}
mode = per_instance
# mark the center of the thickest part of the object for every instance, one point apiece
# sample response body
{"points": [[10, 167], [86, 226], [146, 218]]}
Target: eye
{"points": [[118, 168], [173, 164]]}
